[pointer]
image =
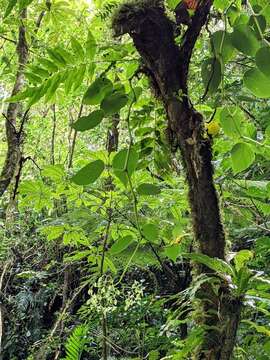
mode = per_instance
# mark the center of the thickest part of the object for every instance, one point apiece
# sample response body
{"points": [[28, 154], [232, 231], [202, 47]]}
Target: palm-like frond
{"points": [[76, 343]]}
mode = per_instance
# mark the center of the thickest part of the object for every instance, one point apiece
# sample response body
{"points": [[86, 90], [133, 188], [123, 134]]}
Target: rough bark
{"points": [[14, 154], [167, 67]]}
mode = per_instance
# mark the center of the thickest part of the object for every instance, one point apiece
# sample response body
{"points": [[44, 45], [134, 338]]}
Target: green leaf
{"points": [[215, 264], [38, 94], [91, 46], [76, 343], [97, 91], [24, 3], [9, 8], [266, 13], [172, 252], [22, 95], [258, 23], [121, 244], [113, 103], [54, 172], [242, 157], [79, 76], [263, 207], [55, 81], [211, 74], [89, 174], [90, 121], [241, 258], [77, 48], [257, 83], [154, 355], [244, 40], [262, 60], [70, 77], [67, 56], [221, 4], [233, 14], [231, 118], [222, 45], [32, 78], [108, 264], [259, 328], [39, 71], [150, 232], [123, 161], [57, 59], [148, 189], [48, 65]]}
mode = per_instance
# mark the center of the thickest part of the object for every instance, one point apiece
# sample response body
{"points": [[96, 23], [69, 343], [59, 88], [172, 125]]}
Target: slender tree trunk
{"points": [[53, 135], [13, 137], [167, 66]]}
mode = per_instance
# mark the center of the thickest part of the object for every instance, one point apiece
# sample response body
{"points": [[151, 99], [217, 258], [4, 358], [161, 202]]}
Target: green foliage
{"points": [[96, 234], [76, 343]]}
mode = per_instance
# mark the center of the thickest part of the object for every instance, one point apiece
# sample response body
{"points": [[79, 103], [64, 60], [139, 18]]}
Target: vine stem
{"points": [[135, 201]]}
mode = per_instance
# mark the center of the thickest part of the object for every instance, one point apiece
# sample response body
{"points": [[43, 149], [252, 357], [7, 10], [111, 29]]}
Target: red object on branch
{"points": [[191, 4]]}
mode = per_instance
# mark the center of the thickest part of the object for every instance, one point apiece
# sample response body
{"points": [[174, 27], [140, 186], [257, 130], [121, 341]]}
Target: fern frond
{"points": [[107, 9], [76, 343]]}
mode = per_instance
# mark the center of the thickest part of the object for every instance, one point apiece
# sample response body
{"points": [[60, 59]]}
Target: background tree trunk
{"points": [[14, 155]]}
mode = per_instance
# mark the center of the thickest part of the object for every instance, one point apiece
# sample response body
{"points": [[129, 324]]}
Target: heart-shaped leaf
{"points": [[242, 157], [262, 60], [231, 118], [257, 83]]}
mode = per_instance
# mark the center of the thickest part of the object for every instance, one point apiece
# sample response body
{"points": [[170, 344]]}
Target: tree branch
{"points": [[198, 21]]}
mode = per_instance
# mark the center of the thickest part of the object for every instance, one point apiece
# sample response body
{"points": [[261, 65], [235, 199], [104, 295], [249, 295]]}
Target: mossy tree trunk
{"points": [[14, 137], [167, 65]]}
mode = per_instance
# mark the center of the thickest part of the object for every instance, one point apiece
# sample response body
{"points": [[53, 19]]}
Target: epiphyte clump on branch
{"points": [[128, 17]]}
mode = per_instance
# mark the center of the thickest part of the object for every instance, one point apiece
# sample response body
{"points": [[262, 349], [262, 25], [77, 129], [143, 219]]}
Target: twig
{"points": [[24, 119], [61, 316], [53, 135], [7, 39]]}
